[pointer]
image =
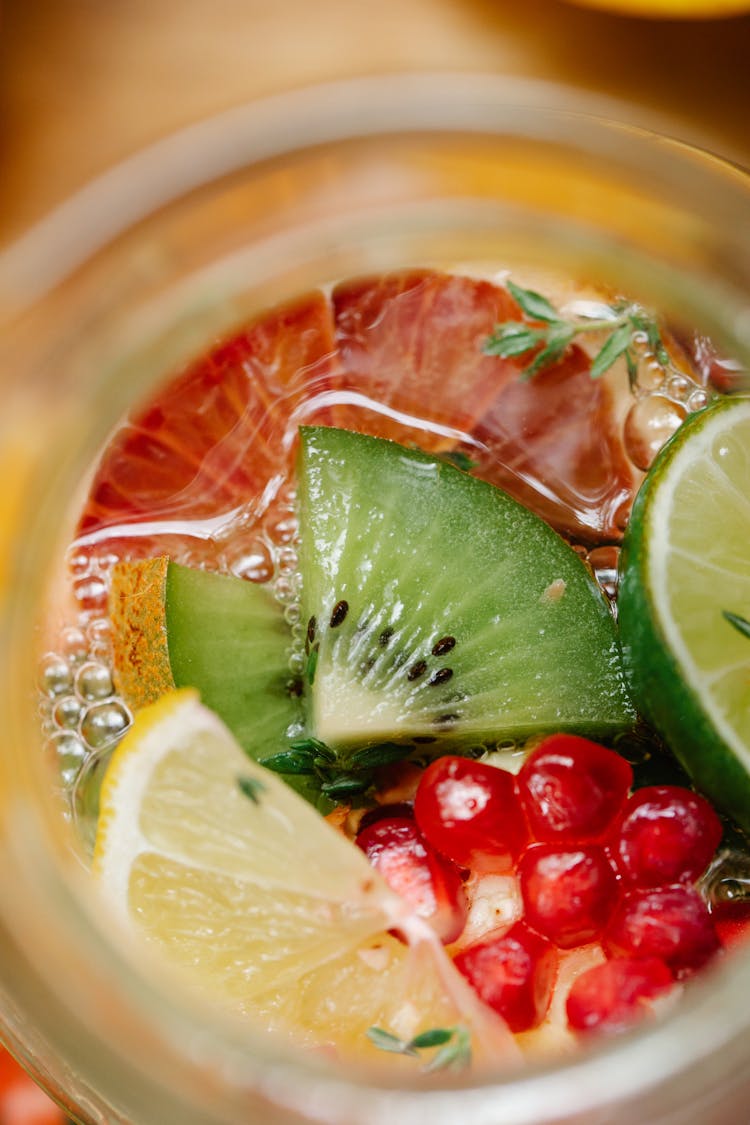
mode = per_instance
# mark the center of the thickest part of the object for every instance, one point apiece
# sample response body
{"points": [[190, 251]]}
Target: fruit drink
{"points": [[418, 642]]}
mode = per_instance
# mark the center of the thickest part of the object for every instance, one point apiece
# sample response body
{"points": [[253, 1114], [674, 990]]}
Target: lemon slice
{"points": [[686, 561], [271, 911]]}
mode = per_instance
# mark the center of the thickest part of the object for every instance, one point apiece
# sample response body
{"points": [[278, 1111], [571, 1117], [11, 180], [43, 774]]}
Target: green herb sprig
{"points": [[454, 1044], [625, 322], [340, 776], [739, 623]]}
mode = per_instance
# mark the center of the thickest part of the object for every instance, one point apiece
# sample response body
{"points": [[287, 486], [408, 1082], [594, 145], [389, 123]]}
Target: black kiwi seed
{"points": [[445, 720], [385, 637], [424, 738], [417, 670], [440, 677], [294, 687], [445, 644], [338, 616], [311, 627]]}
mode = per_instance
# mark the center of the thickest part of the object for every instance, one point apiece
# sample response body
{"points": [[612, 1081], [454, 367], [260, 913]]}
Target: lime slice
{"points": [[266, 907], [685, 563]]}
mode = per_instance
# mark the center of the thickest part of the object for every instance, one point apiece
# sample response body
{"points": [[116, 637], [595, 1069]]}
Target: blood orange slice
{"points": [[411, 355], [209, 441], [554, 443]]}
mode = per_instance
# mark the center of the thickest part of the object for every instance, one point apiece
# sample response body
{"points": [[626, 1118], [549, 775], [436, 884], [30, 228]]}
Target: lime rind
{"points": [[684, 560]]}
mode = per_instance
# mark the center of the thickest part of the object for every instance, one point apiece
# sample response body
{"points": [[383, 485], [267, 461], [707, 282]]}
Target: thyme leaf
{"points": [[339, 776], [740, 624], [454, 1044], [627, 324], [252, 787]]}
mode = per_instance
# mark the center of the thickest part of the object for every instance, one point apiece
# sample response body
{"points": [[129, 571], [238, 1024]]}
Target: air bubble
{"points": [[73, 644], [67, 712], [292, 614], [69, 753], [287, 561], [90, 591], [698, 399], [679, 387], [79, 565], [297, 663], [284, 591], [94, 682], [99, 634], [252, 559], [282, 531], [604, 561], [649, 424], [56, 676], [104, 723], [650, 377]]}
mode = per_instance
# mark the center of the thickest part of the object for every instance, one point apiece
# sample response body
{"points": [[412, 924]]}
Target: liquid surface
{"points": [[204, 471]]}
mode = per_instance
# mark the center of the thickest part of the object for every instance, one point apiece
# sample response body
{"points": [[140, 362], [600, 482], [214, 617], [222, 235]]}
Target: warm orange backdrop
{"points": [[85, 82]]}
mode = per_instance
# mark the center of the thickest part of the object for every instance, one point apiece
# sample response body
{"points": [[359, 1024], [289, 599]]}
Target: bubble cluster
{"points": [[81, 714]]}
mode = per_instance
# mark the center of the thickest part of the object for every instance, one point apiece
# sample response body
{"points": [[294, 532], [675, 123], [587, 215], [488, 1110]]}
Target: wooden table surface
{"points": [[86, 82]]}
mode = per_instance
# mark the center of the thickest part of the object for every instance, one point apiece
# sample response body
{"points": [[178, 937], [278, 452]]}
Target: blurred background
{"points": [[85, 83]]}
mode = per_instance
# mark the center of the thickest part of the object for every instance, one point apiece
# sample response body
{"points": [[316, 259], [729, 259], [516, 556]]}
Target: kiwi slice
{"points": [[440, 609], [178, 627]]}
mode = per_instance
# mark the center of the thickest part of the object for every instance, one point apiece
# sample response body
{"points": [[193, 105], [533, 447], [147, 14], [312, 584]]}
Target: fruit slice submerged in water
{"points": [[685, 562], [441, 607], [410, 346], [212, 438], [412, 343], [173, 626], [556, 445], [215, 877]]}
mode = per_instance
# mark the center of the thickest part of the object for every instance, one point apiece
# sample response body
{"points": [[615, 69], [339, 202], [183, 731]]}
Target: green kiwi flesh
{"points": [[440, 609], [227, 637]]}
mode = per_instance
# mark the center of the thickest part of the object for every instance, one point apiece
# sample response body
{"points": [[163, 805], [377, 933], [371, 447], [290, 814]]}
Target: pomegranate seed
{"points": [[668, 835], [569, 895], [395, 847], [572, 789], [672, 923], [470, 813], [612, 996], [732, 922], [514, 974]]}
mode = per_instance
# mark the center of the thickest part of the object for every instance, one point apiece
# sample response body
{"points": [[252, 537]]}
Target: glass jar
{"points": [[137, 273]]}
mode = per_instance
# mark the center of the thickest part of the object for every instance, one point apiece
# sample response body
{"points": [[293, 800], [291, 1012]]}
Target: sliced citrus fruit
{"points": [[412, 344], [268, 908], [410, 347], [555, 444], [212, 438], [686, 564]]}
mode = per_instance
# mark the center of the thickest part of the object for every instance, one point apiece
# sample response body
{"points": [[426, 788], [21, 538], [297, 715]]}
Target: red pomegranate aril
{"points": [[569, 894], [667, 835], [731, 920], [572, 789], [613, 996], [671, 923], [470, 813], [396, 849], [514, 974]]}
